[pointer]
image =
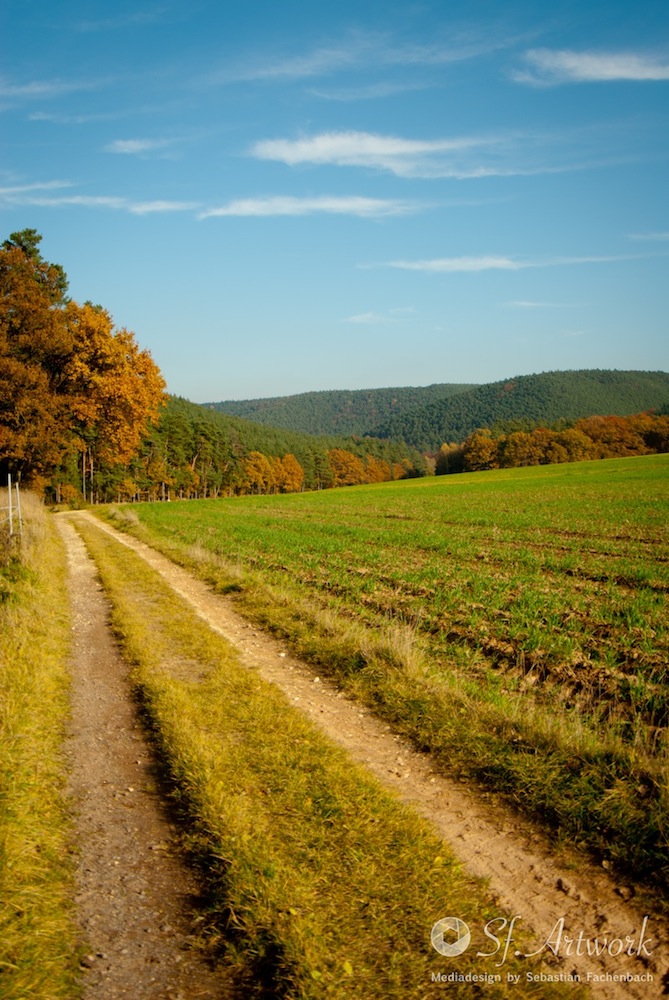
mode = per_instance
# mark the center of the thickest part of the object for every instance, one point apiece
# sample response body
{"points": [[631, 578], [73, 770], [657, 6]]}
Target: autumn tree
{"points": [[34, 346], [576, 444], [612, 436], [377, 470], [654, 429], [481, 451], [521, 448], [347, 468], [69, 382], [114, 389], [292, 475], [259, 476]]}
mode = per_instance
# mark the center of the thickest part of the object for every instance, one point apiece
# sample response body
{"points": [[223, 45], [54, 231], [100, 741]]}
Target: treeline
{"points": [[591, 438], [194, 452], [544, 398]]}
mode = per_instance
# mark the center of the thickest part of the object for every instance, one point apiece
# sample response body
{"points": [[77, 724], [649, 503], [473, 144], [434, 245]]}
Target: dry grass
{"points": [[38, 956]]}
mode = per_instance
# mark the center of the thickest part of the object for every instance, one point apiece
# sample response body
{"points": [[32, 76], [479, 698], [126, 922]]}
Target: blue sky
{"points": [[278, 196]]}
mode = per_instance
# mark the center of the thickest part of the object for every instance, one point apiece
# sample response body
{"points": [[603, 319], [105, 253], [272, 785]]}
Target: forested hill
{"points": [[528, 399], [338, 411], [426, 417]]}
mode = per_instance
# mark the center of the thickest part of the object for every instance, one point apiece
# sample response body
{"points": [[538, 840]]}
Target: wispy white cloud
{"points": [[319, 62], [529, 304], [374, 318], [17, 190], [55, 118], [38, 89], [362, 50], [355, 148], [119, 113], [404, 157], [353, 205], [450, 265], [367, 319], [131, 20], [161, 205], [654, 237], [460, 48], [138, 147], [333, 205], [445, 265], [369, 92], [22, 195], [459, 157], [549, 67]]}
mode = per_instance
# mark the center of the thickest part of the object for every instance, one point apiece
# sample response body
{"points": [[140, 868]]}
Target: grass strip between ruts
{"points": [[38, 953], [321, 883]]}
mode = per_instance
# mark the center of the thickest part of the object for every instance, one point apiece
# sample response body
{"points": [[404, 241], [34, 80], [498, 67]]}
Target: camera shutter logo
{"points": [[451, 947]]}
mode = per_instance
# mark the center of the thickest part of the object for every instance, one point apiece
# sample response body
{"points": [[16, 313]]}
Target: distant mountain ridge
{"points": [[338, 411], [426, 417]]}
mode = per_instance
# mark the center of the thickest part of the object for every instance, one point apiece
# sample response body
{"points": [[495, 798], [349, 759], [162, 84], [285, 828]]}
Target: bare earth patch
{"points": [[550, 897]]}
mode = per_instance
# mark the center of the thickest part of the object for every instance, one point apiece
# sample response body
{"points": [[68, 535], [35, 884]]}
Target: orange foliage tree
{"points": [[347, 468], [69, 383], [612, 437], [377, 470], [654, 429], [292, 475], [481, 451], [521, 448], [114, 388], [273, 474], [258, 474], [34, 346]]}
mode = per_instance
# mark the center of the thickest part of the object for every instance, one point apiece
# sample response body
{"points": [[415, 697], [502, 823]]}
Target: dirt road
{"points": [[591, 920], [137, 902]]}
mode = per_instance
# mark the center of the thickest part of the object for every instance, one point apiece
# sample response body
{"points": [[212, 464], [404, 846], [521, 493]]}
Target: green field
{"points": [[514, 622]]}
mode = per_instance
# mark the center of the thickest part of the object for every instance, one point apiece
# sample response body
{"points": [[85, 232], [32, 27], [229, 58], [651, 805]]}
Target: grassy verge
{"points": [[37, 934], [321, 884], [515, 625]]}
